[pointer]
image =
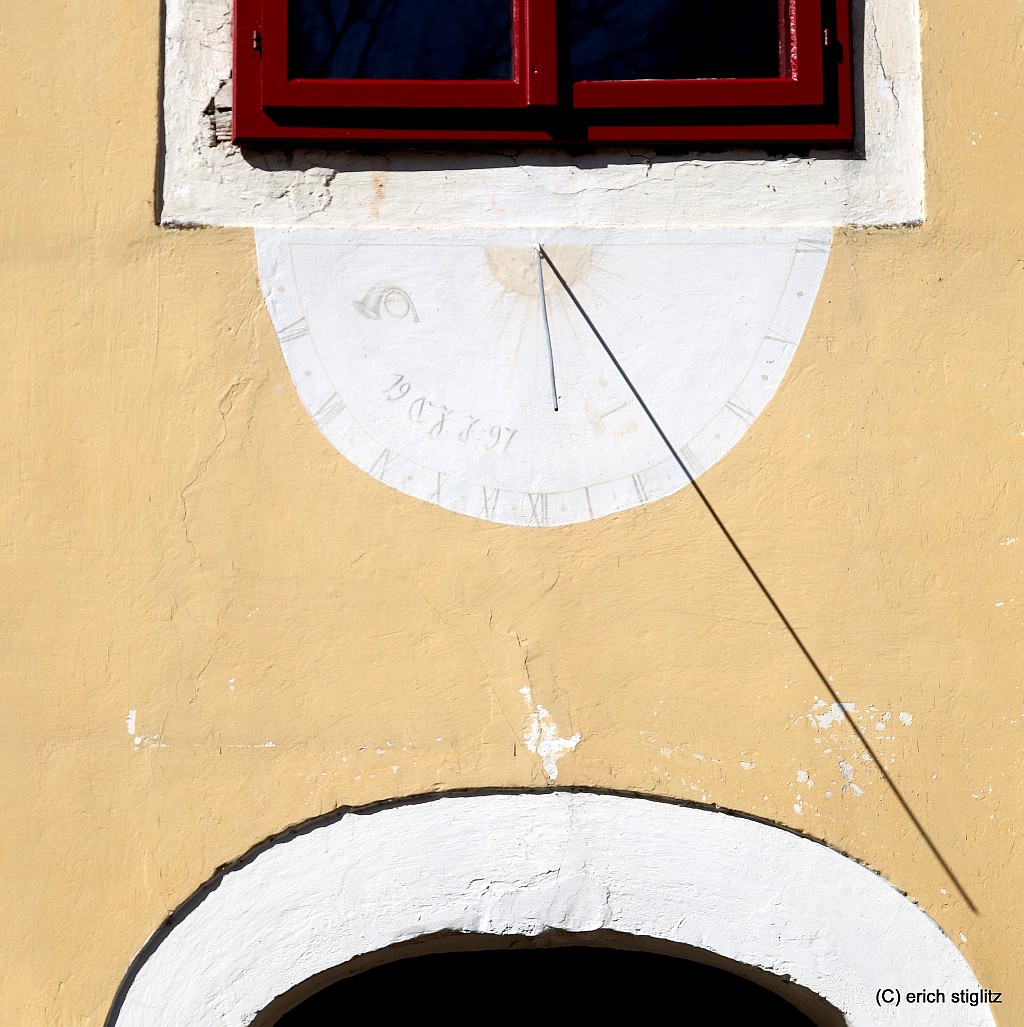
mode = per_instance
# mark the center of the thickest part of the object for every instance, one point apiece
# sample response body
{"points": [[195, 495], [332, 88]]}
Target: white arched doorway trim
{"points": [[524, 864]]}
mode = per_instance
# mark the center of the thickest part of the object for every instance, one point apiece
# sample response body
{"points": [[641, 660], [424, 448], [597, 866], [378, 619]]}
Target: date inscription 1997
{"points": [[439, 420]]}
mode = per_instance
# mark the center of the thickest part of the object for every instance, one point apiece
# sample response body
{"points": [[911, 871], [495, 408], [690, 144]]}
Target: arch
{"points": [[345, 891]]}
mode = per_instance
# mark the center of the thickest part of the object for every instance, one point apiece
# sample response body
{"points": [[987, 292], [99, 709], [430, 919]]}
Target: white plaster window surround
{"points": [[208, 181], [506, 865]]}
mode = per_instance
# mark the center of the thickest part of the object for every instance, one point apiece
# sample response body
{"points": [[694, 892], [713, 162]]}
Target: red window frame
{"points": [[532, 82], [809, 102]]}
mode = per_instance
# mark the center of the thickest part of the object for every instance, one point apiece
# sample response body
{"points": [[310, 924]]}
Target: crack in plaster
{"points": [[887, 77], [238, 387]]}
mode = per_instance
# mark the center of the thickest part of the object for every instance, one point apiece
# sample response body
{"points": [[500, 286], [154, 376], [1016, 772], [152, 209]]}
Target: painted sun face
{"points": [[421, 356]]}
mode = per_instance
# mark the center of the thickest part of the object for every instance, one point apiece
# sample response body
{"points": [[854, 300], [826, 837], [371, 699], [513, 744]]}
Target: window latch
{"points": [[257, 41]]}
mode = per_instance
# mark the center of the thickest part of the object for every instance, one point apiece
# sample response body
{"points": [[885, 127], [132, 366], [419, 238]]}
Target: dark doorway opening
{"points": [[580, 981]]}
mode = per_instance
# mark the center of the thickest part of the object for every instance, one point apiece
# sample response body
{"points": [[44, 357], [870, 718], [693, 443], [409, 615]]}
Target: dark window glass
{"points": [[675, 39], [605, 985], [400, 39]]}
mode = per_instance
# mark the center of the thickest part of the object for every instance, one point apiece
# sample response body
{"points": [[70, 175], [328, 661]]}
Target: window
{"points": [[206, 179], [534, 72]]}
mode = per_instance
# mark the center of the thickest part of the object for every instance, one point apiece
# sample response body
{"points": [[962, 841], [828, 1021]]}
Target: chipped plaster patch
{"points": [[140, 740], [149, 742], [834, 713], [845, 741], [846, 771], [525, 864], [542, 738]]}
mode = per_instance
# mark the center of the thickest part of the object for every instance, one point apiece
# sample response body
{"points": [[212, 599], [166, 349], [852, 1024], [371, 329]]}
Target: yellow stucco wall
{"points": [[178, 539]]}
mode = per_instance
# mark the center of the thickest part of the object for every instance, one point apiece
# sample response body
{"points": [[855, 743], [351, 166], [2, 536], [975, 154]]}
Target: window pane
{"points": [[664, 39], [400, 39]]}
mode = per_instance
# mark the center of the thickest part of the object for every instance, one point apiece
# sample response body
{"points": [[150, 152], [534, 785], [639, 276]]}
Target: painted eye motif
{"points": [[386, 300]]}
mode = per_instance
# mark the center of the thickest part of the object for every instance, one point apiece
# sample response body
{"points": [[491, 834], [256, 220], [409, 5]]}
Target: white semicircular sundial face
{"points": [[421, 355]]}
